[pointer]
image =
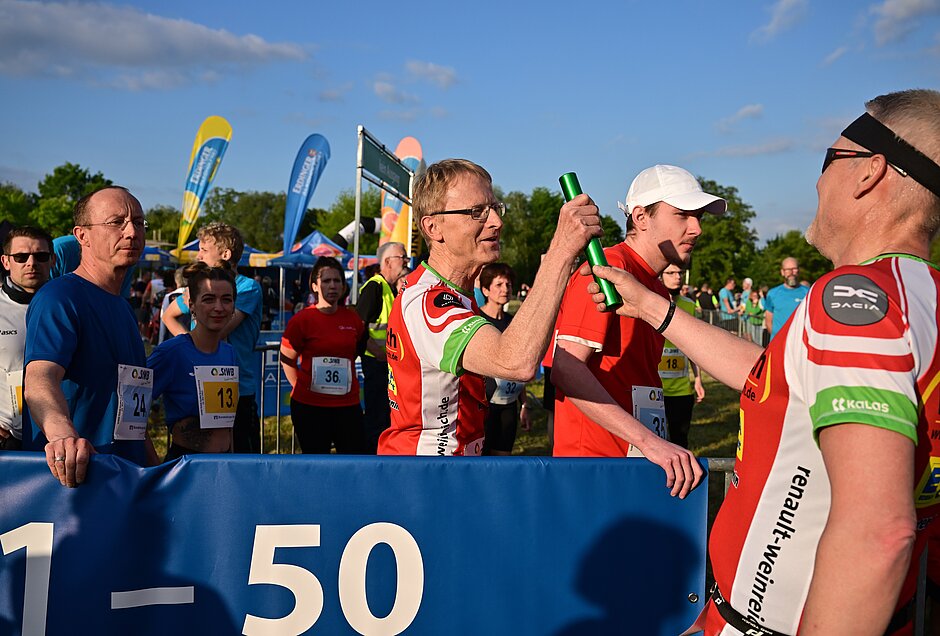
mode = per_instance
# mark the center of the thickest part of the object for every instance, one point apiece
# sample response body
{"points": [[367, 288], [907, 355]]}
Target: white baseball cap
{"points": [[675, 186]]}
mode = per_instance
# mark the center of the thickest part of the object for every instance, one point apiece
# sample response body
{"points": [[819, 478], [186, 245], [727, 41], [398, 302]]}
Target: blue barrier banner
{"points": [[269, 366], [345, 545]]}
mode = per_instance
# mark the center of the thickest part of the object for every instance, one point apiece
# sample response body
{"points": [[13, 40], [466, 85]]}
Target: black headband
{"points": [[872, 134]]}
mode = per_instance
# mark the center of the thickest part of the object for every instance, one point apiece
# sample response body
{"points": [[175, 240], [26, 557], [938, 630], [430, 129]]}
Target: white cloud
{"points": [[441, 76], [783, 15], [835, 55], [772, 147], [400, 115], [388, 92], [897, 18], [335, 94], [122, 46], [750, 111]]}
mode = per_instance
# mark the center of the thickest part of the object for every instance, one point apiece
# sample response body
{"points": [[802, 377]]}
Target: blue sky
{"points": [[746, 93]]}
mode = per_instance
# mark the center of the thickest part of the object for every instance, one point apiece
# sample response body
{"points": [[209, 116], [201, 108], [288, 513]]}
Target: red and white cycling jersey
{"points": [[437, 407], [862, 348]]}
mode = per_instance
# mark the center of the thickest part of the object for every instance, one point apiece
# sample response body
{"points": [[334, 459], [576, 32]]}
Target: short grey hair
{"points": [[384, 248]]}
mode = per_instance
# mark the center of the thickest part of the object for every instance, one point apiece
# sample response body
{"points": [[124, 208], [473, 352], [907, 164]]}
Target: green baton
{"points": [[595, 253]]}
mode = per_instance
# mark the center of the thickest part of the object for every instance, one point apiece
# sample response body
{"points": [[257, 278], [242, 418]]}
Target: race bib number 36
{"points": [[330, 375], [135, 386], [217, 391]]}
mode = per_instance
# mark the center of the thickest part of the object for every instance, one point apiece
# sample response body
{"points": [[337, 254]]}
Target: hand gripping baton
{"points": [[595, 253]]}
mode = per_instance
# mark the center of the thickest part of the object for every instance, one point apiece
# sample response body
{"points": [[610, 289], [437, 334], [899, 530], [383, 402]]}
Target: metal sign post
{"points": [[379, 166]]}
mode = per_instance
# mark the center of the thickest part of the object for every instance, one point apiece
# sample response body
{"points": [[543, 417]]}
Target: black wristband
{"points": [[669, 314]]}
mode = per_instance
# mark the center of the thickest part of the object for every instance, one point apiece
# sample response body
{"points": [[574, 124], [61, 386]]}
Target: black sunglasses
{"points": [[843, 153], [39, 257]]}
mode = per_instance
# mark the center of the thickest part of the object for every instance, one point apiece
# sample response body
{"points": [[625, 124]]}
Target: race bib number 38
{"points": [[135, 386], [217, 391]]}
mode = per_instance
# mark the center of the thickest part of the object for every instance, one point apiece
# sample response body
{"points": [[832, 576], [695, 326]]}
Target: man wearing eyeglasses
{"points": [[782, 300], [439, 347], [27, 256], [836, 482], [87, 388], [374, 307]]}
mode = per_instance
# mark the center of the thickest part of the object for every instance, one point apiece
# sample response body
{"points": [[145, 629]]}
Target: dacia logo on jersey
{"points": [[854, 300], [927, 492]]}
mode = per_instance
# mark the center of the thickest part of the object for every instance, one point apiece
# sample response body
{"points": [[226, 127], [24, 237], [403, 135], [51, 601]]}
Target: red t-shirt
{"points": [[627, 360], [325, 344]]}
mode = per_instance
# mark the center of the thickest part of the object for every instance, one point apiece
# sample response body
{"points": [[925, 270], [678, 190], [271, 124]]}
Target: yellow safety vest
{"points": [[377, 330]]}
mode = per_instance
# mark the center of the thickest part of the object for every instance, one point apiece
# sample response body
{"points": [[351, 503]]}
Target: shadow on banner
{"points": [[217, 544]]}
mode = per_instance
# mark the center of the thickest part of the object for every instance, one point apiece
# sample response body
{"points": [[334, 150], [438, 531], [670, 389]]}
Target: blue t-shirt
{"points": [[68, 255], [88, 332], [173, 378], [245, 336], [723, 295], [782, 301]]}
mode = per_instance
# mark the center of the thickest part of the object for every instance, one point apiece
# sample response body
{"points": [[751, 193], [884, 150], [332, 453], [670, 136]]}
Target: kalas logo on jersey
{"points": [[852, 299], [841, 405]]}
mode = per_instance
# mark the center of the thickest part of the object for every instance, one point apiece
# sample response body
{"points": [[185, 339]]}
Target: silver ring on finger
{"points": [[60, 459]]}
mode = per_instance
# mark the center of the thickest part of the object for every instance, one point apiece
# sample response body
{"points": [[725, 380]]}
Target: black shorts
{"points": [[500, 427], [318, 428]]}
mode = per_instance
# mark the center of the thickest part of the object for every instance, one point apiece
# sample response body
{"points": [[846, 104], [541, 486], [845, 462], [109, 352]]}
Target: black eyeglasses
{"points": [[120, 224], [844, 153], [478, 212], [39, 257]]}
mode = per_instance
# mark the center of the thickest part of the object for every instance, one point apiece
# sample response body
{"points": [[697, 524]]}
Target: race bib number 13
{"points": [[217, 391]]}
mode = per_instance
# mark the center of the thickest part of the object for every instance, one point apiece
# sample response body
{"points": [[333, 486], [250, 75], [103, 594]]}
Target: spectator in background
{"points": [[680, 394], [754, 318], [507, 398], [269, 303], [726, 301], [782, 300], [28, 257], [374, 307], [318, 353], [220, 242], [199, 420], [176, 284], [706, 301]]}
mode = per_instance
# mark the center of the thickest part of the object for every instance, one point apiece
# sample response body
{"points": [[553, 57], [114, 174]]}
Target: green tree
{"points": [[58, 194], [15, 204], [727, 246], [53, 214], [766, 267], [259, 216], [529, 226], [164, 223]]}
